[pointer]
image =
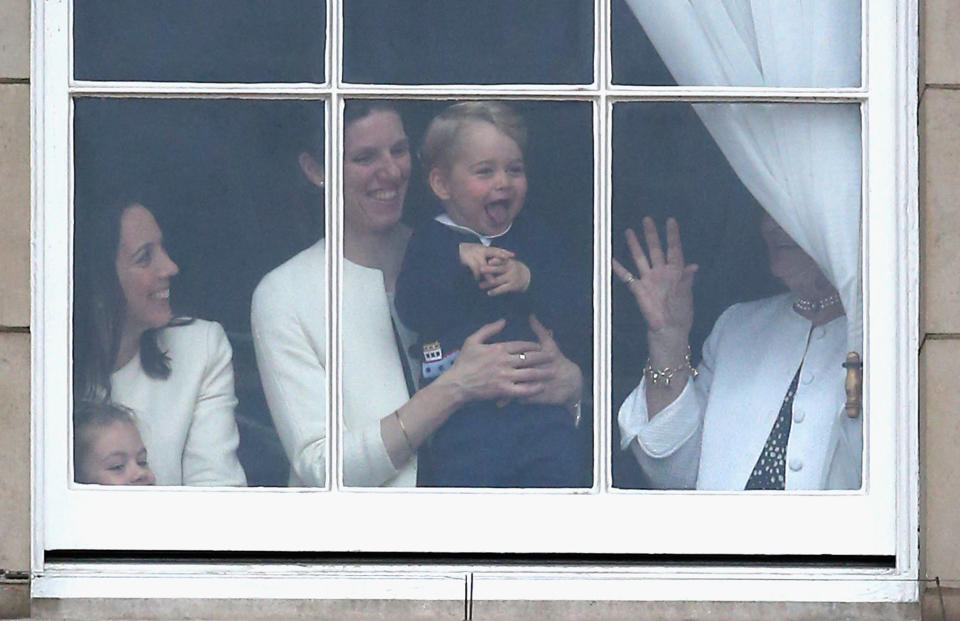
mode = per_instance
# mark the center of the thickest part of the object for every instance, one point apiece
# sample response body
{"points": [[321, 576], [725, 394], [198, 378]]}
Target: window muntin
{"points": [[187, 41], [883, 233]]}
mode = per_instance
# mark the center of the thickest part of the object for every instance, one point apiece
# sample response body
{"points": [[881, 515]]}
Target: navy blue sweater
{"points": [[438, 298], [484, 444]]}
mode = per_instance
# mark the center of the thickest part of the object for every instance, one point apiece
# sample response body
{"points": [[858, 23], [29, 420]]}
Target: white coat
{"points": [[711, 436], [289, 324], [186, 420]]}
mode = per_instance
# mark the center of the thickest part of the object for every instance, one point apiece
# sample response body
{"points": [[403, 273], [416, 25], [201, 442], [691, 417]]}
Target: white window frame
{"points": [[615, 521]]}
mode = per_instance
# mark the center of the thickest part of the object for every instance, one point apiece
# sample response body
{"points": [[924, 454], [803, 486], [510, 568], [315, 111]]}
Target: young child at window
{"points": [[107, 448], [477, 262]]}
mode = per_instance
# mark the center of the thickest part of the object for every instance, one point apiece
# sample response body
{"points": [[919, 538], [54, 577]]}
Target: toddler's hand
{"points": [[476, 257], [505, 276]]}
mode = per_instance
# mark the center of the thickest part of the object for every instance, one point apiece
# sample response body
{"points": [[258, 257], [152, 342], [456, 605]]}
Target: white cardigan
{"points": [[186, 420], [289, 323], [711, 436]]}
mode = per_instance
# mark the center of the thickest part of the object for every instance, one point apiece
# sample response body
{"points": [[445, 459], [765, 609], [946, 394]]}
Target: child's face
{"points": [[115, 456], [485, 185]]}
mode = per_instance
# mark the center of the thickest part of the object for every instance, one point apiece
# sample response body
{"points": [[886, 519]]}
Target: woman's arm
{"points": [[663, 290], [210, 451], [482, 371], [289, 336], [667, 446], [294, 379]]}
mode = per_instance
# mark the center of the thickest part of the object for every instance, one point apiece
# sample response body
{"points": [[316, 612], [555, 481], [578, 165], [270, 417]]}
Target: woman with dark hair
{"points": [[175, 374], [385, 419]]}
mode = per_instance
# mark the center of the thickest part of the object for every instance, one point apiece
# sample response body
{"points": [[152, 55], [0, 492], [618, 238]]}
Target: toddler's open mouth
{"points": [[498, 211]]}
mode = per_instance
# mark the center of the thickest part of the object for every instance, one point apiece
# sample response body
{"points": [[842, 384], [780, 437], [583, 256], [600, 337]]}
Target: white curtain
{"points": [[802, 162]]}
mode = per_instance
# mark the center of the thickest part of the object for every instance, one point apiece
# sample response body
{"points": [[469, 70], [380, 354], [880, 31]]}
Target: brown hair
{"points": [[442, 133], [100, 308], [90, 415]]}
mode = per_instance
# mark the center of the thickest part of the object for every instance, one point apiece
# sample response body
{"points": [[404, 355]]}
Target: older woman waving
{"points": [[761, 410]]}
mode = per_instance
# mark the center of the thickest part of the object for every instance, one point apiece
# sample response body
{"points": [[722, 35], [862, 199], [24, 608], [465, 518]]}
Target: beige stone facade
{"points": [[939, 399]]}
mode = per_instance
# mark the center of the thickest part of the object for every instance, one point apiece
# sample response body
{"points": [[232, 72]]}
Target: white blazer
{"points": [[711, 436], [186, 420], [288, 321]]}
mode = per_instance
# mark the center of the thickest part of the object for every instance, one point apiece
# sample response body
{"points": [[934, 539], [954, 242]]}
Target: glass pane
{"points": [[489, 42], [194, 41], [478, 181], [155, 319], [767, 201], [772, 43]]}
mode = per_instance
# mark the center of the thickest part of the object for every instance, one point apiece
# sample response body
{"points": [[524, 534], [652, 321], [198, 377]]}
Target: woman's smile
{"points": [[376, 170], [144, 271]]}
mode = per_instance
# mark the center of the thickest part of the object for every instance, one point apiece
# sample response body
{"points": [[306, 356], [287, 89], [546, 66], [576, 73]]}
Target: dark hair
{"points": [[356, 109], [90, 414], [99, 309]]}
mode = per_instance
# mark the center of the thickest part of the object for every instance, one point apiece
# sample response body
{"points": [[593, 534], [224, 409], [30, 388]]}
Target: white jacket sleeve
{"points": [[210, 451], [667, 448], [293, 373]]}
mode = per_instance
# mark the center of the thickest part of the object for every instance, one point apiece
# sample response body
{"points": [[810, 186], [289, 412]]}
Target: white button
{"points": [[796, 464], [807, 378], [820, 332], [798, 416]]}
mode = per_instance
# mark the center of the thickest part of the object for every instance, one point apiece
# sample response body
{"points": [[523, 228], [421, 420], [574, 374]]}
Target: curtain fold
{"points": [[802, 162]]}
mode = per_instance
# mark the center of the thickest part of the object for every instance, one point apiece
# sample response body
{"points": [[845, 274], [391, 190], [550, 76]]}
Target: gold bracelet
{"points": [[662, 377], [403, 430]]}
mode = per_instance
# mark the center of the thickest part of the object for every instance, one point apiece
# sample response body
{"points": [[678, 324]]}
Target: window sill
{"points": [[434, 582]]}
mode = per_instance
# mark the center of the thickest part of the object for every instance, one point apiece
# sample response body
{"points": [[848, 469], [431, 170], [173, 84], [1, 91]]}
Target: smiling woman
{"points": [[385, 420], [175, 375], [144, 270]]}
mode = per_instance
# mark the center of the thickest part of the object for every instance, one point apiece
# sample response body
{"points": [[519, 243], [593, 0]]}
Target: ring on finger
{"points": [[629, 279], [522, 356]]}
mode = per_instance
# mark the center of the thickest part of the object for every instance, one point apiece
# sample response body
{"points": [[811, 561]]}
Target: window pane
{"points": [[764, 313], [220, 181], [769, 43], [475, 171], [194, 41], [490, 42]]}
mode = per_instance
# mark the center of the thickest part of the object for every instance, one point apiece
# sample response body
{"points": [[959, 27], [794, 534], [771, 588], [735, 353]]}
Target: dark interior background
{"points": [[468, 42], [222, 178], [200, 40]]}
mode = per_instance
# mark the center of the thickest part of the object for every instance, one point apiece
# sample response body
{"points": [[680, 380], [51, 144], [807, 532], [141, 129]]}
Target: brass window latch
{"points": [[854, 384]]}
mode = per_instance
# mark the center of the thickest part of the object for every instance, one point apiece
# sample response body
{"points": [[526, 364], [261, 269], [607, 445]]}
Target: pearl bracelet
{"points": [[662, 377]]}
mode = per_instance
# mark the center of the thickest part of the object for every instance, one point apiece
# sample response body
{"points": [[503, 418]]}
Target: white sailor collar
{"points": [[486, 240]]}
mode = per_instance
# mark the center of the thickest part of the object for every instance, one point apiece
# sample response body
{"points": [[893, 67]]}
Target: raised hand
{"points": [[663, 289]]}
